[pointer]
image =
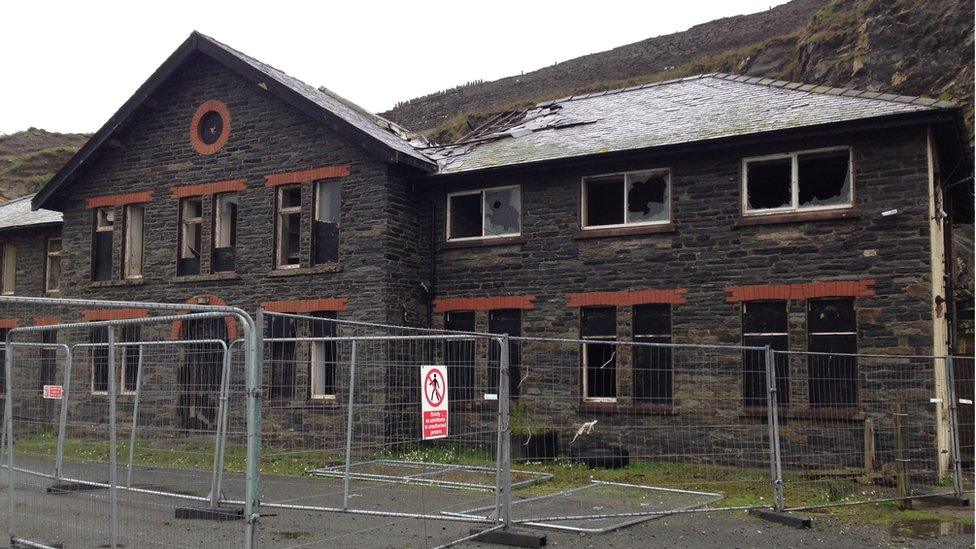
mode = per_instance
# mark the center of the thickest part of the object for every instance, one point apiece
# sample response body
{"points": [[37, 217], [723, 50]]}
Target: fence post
{"points": [[8, 431], [112, 449], [135, 420], [216, 487], [63, 420], [506, 446], [772, 416], [954, 426], [254, 349], [352, 395]]}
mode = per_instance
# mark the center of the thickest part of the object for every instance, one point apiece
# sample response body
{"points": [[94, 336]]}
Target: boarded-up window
{"points": [[764, 323], [652, 363], [102, 233], [225, 232], [599, 360], [282, 382], [459, 357], [133, 244], [288, 242], [323, 357], [832, 331], [191, 236], [9, 269], [798, 181], [325, 236], [52, 266], [632, 198], [99, 359], [485, 213], [506, 321]]}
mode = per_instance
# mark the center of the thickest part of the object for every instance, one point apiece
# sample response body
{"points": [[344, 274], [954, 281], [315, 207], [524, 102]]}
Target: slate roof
{"points": [[686, 110], [17, 214]]}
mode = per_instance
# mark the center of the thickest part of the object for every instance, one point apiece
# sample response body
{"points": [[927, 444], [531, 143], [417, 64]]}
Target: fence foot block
{"points": [[510, 537], [219, 514], [788, 519], [953, 501], [68, 487]]}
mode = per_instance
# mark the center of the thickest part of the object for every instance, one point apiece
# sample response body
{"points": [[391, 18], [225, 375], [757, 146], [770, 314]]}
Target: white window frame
{"points": [[186, 223], [218, 215], [317, 357], [794, 182], [127, 243], [586, 367], [8, 261], [50, 256], [280, 212], [626, 175], [482, 192], [122, 370]]}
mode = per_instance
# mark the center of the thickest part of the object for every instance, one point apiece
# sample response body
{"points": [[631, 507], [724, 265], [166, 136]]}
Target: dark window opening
{"points": [[506, 321], [604, 200], [3, 362], [647, 197], [49, 356], [104, 225], [824, 178], [323, 357], [764, 323], [599, 359], [325, 239], [832, 329], [769, 183], [465, 217], [211, 126], [191, 236], [459, 357], [199, 374], [282, 382], [653, 365], [288, 241], [99, 356], [225, 232], [130, 357]]}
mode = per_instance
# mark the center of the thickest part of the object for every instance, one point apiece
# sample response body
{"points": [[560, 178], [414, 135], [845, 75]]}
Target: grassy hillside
{"points": [[29, 158]]}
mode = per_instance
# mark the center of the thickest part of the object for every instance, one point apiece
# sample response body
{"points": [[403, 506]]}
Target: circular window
{"points": [[210, 127]]}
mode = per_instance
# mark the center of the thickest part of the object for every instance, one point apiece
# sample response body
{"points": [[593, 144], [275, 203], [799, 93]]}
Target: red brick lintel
{"points": [[626, 298], [449, 304], [304, 306], [8, 323], [95, 315], [46, 320], [811, 290], [207, 189], [118, 199], [307, 176]]}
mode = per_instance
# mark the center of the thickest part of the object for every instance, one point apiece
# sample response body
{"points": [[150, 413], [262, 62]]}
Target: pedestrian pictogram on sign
{"points": [[433, 385], [53, 392]]}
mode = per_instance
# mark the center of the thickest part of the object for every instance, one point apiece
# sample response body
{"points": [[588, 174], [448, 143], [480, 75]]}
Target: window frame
{"points": [[216, 226], [668, 205], [326, 317], [48, 255], [783, 382], [98, 227], [584, 356], [482, 191], [814, 354], [653, 338], [794, 206], [129, 353], [4, 290], [317, 187], [95, 348], [183, 223], [279, 212], [126, 238]]}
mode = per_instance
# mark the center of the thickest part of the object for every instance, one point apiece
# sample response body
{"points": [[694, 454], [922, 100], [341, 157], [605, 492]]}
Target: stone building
{"points": [[714, 209]]}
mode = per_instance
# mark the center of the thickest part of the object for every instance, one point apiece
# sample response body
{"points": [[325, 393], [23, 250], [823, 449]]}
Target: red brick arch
{"points": [[195, 141], [211, 300]]}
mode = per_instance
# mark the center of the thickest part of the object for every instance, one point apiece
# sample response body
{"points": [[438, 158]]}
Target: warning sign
{"points": [[433, 385], [53, 392]]}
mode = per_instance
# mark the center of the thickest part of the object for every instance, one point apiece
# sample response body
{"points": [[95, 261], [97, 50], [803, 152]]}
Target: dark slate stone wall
{"points": [[31, 245]]}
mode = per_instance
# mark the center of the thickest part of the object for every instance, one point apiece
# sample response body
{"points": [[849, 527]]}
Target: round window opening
{"points": [[211, 127]]}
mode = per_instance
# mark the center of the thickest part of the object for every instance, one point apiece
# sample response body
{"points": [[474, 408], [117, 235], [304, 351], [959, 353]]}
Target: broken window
{"points": [[764, 323], [323, 357], [9, 268], [191, 236], [133, 244], [104, 227], [832, 331], [633, 198], [288, 242], [225, 232], [798, 181], [130, 358], [52, 265], [485, 213], [325, 236], [506, 321], [459, 357], [98, 336], [652, 364], [599, 360], [282, 382]]}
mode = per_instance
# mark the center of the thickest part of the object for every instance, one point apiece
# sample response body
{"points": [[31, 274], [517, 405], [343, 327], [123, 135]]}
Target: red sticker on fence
{"points": [[433, 386], [53, 392]]}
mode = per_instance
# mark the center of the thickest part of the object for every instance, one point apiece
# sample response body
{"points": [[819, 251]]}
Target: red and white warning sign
{"points": [[433, 385], [53, 392]]}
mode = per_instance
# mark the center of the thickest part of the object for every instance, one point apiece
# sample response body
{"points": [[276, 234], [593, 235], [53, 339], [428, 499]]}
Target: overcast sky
{"points": [[68, 66]]}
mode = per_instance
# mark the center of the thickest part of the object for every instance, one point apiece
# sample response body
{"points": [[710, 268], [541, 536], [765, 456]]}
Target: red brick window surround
{"points": [[8, 323], [211, 116], [306, 306], [118, 200], [307, 176], [95, 315], [801, 291], [450, 304], [208, 189], [626, 298]]}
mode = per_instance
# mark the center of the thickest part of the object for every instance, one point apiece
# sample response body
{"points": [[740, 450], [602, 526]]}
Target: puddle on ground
{"points": [[927, 529]]}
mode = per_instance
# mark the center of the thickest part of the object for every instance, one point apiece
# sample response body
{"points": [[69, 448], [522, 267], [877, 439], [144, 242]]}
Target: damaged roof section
{"points": [[687, 110]]}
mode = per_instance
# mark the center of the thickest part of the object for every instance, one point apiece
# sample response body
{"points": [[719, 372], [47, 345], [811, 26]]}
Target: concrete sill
{"points": [[796, 217], [483, 243], [207, 277], [306, 271], [111, 283], [583, 234]]}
